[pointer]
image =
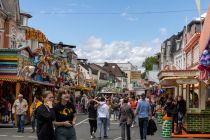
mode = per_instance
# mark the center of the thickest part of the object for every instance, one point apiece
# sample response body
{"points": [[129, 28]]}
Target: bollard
{"points": [[167, 127], [159, 116]]}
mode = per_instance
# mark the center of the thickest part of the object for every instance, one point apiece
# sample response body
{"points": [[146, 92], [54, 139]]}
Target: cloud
{"points": [[95, 50], [128, 16], [163, 31]]}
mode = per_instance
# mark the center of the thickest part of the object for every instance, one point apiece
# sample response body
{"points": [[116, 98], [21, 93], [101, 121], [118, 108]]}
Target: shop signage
{"points": [[184, 73], [187, 81], [135, 75]]}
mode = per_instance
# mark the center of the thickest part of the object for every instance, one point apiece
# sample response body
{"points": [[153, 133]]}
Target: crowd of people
{"points": [[175, 108], [53, 115]]}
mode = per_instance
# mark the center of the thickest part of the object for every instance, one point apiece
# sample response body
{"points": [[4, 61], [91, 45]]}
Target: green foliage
{"points": [[143, 75], [149, 61]]}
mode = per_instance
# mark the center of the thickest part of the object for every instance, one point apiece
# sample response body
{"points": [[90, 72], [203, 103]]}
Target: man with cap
{"points": [[143, 111], [19, 108]]}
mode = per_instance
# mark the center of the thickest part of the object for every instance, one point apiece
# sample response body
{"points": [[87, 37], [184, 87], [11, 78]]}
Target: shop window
{"points": [[208, 99], [193, 99]]}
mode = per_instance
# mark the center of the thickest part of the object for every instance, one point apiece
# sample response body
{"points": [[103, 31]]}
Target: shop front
{"points": [[195, 92]]}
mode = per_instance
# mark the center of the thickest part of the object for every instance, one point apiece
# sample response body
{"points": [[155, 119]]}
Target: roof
{"points": [[193, 22], [172, 40], [63, 45], [26, 14], [98, 67], [84, 65], [114, 69]]}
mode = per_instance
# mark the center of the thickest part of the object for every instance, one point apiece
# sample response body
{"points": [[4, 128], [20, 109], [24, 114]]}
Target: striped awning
{"points": [[11, 78]]}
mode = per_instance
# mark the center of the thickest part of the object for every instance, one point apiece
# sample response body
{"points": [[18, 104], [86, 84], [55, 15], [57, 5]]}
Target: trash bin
{"points": [[159, 116], [167, 127]]}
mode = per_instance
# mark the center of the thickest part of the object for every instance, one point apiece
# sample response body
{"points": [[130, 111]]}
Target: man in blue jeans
{"points": [[19, 108], [143, 111]]}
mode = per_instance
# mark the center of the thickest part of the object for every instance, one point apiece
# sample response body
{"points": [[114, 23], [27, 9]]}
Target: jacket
{"points": [[181, 106], [45, 118], [126, 114], [32, 109], [20, 108], [92, 112]]}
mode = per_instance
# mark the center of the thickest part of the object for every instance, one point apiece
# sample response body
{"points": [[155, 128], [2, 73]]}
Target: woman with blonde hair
{"points": [[65, 117]]}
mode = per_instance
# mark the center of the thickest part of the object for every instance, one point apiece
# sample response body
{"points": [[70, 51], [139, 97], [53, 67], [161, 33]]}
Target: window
{"points": [[193, 98], [178, 43], [13, 42], [196, 55], [189, 59], [208, 99]]}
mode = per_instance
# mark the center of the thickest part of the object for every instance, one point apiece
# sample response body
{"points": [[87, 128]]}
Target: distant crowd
{"points": [[53, 116]]}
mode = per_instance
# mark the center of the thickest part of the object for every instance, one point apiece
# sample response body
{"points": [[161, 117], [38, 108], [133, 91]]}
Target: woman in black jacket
{"points": [[45, 116], [181, 111], [92, 115]]}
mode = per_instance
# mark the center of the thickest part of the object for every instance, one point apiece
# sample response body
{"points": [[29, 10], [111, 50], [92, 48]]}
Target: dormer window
{"points": [[178, 43], [24, 19]]}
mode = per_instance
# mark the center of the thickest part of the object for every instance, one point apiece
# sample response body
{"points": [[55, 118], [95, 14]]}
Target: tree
{"points": [[149, 62]]}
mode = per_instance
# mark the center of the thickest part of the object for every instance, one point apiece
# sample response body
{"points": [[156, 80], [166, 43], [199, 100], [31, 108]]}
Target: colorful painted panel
{"points": [[8, 67], [8, 62]]}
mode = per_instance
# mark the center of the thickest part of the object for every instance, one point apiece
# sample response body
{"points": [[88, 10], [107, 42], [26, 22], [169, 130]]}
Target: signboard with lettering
{"points": [[187, 81], [135, 75], [184, 73]]}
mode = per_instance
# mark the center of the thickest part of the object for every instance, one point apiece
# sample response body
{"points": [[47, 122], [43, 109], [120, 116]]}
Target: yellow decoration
{"points": [[8, 58]]}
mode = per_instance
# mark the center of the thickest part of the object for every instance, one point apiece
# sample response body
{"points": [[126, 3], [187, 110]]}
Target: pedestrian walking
{"points": [[84, 102], [45, 116], [109, 104], [115, 108], [133, 104], [19, 108], [126, 117], [92, 116], [103, 114], [65, 113], [36, 103], [144, 112]]}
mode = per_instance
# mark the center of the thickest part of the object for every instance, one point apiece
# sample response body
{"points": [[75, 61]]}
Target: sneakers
{"points": [[91, 137], [132, 125]]}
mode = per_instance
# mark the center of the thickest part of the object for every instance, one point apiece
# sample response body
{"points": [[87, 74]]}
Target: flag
{"points": [[198, 4]]}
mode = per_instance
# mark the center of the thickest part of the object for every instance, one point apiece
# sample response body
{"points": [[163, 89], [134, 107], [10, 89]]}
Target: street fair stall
{"points": [[194, 91]]}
